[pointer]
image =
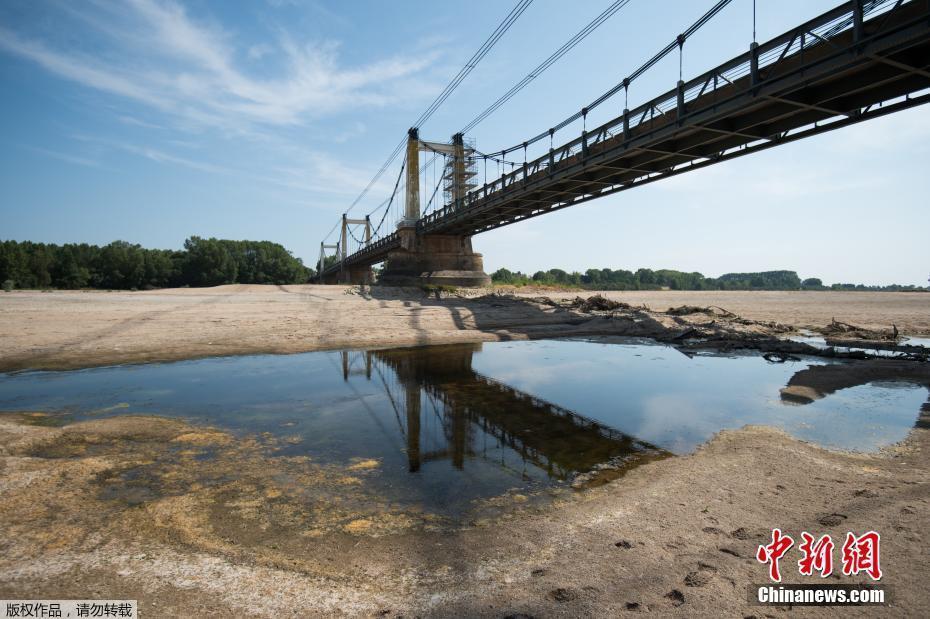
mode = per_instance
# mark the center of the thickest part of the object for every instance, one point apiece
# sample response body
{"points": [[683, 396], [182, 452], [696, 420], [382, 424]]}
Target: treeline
{"points": [[647, 279], [122, 265]]}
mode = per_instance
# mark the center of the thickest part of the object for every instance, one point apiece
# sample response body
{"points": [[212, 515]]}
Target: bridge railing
{"points": [[372, 249], [819, 30]]}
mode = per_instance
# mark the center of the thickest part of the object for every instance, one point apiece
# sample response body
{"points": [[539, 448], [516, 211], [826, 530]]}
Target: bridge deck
{"points": [[814, 78]]}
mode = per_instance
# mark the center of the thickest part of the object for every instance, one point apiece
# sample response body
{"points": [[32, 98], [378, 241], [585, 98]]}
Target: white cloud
{"points": [[240, 107], [160, 56], [132, 120], [309, 172], [75, 68], [357, 129], [257, 52], [82, 161], [163, 157], [152, 154]]}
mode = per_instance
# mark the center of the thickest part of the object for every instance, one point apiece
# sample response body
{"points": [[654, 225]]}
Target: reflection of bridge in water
{"points": [[447, 411]]}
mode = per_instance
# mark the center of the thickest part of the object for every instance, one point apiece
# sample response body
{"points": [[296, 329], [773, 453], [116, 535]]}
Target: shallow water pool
{"points": [[450, 426]]}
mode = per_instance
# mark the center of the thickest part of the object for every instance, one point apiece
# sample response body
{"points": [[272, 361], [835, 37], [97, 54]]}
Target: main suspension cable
{"points": [[548, 62], [483, 50], [626, 82], [495, 36]]}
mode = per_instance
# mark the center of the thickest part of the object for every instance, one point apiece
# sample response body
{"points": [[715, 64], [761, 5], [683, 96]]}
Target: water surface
{"points": [[453, 425]]}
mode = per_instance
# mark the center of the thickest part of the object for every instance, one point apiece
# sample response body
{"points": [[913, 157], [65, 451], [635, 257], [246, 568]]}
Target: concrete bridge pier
{"points": [[434, 259], [358, 275], [350, 275]]}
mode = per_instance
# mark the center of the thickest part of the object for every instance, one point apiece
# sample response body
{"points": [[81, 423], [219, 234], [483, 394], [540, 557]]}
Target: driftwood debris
{"points": [[687, 310], [686, 334], [598, 303], [710, 310], [850, 331]]}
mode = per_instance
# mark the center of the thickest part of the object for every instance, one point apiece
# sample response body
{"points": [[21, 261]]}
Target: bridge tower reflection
{"points": [[426, 385]]}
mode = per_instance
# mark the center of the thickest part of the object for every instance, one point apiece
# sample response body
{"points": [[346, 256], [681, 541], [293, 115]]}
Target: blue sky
{"points": [[151, 121]]}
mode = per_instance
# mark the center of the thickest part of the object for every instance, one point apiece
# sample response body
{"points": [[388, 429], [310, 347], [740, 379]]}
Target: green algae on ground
{"points": [[42, 419], [153, 479]]}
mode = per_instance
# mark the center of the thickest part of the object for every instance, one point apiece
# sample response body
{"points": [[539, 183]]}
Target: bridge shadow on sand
{"points": [[503, 317]]}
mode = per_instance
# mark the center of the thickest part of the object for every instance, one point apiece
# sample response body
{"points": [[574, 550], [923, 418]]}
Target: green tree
{"points": [[121, 265], [208, 263], [68, 272], [812, 283]]}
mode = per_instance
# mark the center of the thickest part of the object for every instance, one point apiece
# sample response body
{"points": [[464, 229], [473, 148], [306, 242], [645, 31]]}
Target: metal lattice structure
{"points": [[459, 174]]}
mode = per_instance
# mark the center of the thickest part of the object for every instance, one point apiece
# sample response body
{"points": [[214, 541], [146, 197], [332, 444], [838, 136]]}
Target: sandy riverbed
{"points": [[675, 537], [910, 311], [78, 329]]}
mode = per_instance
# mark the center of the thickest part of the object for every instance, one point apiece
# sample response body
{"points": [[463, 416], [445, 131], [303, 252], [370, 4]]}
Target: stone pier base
{"points": [[434, 259], [351, 275]]}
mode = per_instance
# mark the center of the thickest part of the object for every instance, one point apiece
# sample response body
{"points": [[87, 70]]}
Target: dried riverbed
{"points": [[66, 329], [133, 507]]}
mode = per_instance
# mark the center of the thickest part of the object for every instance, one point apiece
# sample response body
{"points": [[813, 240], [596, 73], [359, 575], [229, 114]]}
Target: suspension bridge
{"points": [[861, 60]]}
